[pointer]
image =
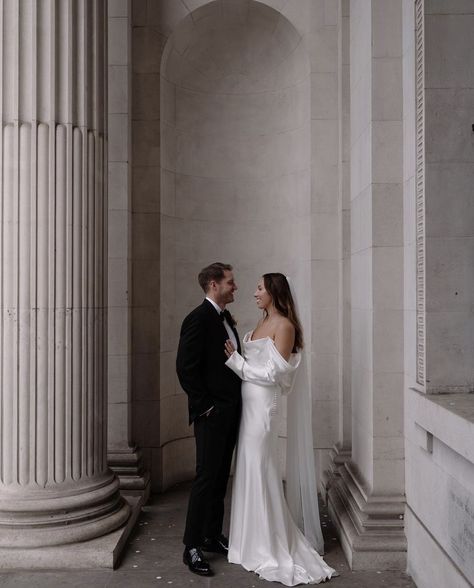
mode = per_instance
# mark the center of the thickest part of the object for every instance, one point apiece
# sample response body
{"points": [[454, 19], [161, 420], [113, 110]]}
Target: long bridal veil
{"points": [[301, 486]]}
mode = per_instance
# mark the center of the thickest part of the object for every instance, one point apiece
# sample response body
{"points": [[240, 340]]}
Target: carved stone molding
{"points": [[420, 193], [128, 466]]}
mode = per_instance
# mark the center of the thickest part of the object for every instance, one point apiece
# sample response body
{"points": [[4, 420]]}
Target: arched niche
{"points": [[235, 174]]}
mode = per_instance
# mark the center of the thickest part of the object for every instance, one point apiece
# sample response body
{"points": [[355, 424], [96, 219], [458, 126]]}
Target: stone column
{"points": [[55, 486], [367, 499]]}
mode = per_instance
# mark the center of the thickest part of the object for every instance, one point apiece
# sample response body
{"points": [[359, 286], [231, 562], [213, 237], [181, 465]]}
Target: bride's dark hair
{"points": [[277, 286]]}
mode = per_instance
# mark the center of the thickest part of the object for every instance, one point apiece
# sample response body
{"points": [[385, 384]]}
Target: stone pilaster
{"points": [[124, 458], [366, 484], [370, 525], [127, 464], [55, 486]]}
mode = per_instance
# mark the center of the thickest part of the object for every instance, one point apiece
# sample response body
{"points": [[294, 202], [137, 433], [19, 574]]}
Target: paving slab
{"points": [[153, 557]]}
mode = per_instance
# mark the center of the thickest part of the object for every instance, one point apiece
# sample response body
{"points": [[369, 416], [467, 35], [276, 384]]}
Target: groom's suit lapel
{"points": [[220, 323], [216, 319]]}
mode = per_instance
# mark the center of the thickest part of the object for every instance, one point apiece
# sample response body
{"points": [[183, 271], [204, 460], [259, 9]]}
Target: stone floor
{"points": [[153, 558]]}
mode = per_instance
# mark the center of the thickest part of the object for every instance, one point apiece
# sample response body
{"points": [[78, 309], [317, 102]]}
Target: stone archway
{"points": [[158, 412], [235, 177]]}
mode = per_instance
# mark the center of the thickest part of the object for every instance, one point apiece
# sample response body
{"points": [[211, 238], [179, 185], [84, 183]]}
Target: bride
{"points": [[263, 535]]}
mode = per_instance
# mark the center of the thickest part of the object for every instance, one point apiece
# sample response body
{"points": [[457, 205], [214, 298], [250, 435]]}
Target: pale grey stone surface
{"points": [[269, 132], [439, 464], [55, 486]]}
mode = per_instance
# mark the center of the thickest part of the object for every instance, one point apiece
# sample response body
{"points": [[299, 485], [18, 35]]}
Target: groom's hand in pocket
{"points": [[208, 412]]}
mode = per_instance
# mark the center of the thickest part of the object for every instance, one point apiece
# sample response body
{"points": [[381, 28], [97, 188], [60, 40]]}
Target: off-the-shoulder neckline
{"points": [[248, 339], [259, 339]]}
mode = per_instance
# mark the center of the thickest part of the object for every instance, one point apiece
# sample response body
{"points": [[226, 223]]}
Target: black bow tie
{"points": [[225, 314]]}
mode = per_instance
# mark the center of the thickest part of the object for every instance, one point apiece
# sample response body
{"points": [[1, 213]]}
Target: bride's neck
{"points": [[271, 312]]}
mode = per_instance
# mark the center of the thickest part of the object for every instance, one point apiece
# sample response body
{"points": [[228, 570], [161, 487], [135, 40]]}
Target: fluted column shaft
{"points": [[54, 483]]}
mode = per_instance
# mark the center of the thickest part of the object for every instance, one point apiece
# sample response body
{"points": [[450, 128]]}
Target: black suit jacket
{"points": [[200, 362]]}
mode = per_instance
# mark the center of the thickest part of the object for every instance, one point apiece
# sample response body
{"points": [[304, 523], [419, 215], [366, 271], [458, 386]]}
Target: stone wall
{"points": [[366, 487], [439, 286]]}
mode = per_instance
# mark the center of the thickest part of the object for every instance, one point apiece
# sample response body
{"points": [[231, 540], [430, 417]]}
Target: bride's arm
{"points": [[275, 370], [285, 338], [262, 374]]}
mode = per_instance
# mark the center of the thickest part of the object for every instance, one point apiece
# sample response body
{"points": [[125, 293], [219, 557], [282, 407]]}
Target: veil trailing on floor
{"points": [[301, 486]]}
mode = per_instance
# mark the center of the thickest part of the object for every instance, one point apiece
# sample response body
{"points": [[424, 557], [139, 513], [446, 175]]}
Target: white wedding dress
{"points": [[263, 536]]}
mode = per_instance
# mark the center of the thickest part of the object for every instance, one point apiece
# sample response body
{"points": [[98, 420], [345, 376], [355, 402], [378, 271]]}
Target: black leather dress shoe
{"points": [[196, 563], [217, 545]]}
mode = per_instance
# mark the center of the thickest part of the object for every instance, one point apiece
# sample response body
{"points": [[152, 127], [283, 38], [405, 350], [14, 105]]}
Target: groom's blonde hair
{"points": [[215, 272]]}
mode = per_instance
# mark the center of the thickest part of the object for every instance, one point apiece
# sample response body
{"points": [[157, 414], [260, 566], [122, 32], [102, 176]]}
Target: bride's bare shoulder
{"points": [[284, 337], [284, 326]]}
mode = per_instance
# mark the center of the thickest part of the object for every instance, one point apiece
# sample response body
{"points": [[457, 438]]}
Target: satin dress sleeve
{"points": [[275, 370]]}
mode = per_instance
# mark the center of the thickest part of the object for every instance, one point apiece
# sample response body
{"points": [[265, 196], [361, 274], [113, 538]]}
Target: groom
{"points": [[214, 404]]}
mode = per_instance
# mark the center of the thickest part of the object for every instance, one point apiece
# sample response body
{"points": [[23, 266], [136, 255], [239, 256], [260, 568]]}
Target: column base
{"points": [[64, 513], [370, 527], [127, 465], [338, 456], [103, 552]]}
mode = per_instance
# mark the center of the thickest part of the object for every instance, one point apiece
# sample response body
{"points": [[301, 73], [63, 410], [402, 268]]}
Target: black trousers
{"points": [[215, 436]]}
